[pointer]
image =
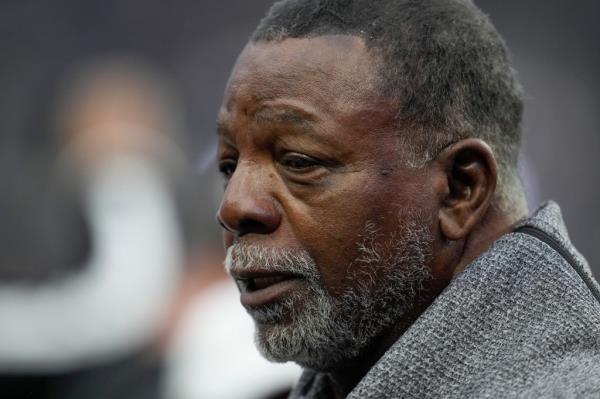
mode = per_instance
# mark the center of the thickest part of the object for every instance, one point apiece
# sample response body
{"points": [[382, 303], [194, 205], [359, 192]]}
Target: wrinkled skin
{"points": [[313, 178], [311, 154]]}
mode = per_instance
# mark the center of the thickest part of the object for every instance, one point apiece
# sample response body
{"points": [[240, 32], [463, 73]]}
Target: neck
{"points": [[345, 377]]}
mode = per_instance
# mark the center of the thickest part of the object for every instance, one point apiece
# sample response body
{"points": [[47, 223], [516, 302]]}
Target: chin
{"points": [[279, 345], [309, 330]]}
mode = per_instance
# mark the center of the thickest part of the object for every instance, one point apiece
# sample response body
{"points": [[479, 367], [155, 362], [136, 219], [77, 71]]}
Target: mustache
{"points": [[243, 257]]}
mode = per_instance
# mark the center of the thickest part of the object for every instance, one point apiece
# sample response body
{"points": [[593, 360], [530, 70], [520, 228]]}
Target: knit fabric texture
{"points": [[518, 322]]}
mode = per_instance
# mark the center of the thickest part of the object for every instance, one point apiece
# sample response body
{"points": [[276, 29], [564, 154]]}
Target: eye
{"points": [[299, 162], [227, 167]]}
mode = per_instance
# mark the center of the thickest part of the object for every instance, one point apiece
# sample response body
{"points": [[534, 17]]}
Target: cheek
{"points": [[365, 209], [332, 228]]}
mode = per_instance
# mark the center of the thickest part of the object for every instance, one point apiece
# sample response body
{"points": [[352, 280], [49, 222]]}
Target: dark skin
{"points": [[311, 152]]}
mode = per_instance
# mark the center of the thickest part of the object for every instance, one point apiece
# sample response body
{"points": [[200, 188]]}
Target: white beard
{"points": [[318, 331]]}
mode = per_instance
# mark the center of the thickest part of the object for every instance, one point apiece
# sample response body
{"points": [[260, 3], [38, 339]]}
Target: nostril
{"points": [[253, 226]]}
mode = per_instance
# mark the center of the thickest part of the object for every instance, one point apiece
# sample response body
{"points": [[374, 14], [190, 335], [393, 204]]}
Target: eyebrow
{"points": [[285, 115], [277, 114]]}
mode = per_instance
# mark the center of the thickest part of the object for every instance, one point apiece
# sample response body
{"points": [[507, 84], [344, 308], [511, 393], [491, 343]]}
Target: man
{"points": [[375, 222]]}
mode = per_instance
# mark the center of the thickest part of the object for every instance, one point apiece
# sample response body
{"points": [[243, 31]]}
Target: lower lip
{"points": [[254, 299]]}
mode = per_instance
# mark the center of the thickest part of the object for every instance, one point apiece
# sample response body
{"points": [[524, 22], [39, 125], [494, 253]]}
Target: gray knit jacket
{"points": [[522, 320]]}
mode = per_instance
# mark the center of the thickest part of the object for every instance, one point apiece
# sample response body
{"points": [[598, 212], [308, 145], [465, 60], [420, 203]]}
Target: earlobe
{"points": [[471, 174]]}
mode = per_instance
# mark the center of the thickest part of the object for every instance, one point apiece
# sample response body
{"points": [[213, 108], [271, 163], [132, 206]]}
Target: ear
{"points": [[470, 177]]}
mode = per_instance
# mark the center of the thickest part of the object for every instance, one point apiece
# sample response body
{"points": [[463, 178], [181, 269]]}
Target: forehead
{"points": [[332, 74]]}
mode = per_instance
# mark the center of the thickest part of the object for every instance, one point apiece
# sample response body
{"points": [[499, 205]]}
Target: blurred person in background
{"points": [[85, 325], [146, 309]]}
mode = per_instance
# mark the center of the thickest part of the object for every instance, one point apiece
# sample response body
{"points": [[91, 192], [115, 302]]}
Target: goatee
{"points": [[319, 331]]}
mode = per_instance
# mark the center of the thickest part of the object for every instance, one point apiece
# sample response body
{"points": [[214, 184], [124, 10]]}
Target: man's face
{"points": [[328, 233]]}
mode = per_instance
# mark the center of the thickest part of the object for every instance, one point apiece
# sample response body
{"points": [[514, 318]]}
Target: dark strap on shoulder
{"points": [[558, 247]]}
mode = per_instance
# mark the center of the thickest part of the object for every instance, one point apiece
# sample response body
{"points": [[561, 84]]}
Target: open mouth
{"points": [[261, 289], [259, 283]]}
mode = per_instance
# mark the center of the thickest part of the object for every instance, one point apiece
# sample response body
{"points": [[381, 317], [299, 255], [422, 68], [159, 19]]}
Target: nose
{"points": [[248, 205]]}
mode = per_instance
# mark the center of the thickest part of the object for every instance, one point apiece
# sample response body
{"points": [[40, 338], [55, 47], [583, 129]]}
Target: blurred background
{"points": [[111, 281]]}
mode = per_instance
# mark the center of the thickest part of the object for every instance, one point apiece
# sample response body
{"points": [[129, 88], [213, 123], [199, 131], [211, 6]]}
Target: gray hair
{"points": [[443, 64]]}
